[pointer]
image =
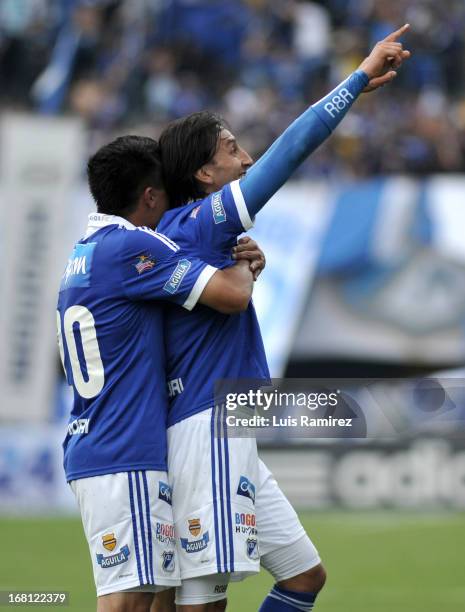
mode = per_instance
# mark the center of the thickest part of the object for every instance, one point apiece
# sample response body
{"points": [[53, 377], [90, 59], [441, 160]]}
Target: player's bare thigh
{"points": [[214, 606], [164, 602], [126, 602]]}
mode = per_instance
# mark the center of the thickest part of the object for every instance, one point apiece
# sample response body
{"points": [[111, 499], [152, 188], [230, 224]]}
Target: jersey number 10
{"points": [[80, 319]]}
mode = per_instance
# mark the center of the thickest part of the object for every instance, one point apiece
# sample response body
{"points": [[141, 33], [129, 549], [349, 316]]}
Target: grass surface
{"points": [[376, 562]]}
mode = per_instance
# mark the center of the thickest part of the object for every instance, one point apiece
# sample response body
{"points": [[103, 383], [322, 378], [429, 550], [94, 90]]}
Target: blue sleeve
{"points": [[221, 217], [156, 268], [300, 139]]}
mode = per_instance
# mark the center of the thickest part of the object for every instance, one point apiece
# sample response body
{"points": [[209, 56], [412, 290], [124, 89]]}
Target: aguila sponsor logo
{"points": [[195, 546], [175, 280], [109, 542]]}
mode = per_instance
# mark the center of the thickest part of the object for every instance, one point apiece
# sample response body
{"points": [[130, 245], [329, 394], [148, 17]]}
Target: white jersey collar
{"points": [[99, 220]]}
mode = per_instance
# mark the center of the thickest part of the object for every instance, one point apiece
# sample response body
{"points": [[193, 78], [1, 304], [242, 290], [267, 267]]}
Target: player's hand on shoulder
{"points": [[385, 58], [248, 249]]}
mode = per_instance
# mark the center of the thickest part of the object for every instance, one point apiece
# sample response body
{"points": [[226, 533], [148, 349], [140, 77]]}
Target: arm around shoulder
{"points": [[229, 290]]}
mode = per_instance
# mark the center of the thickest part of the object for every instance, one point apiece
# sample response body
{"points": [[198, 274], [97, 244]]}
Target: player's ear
{"points": [[204, 175], [150, 197], [155, 198]]}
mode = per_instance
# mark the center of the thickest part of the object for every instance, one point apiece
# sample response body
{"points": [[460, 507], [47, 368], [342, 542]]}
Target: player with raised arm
{"points": [[229, 512], [110, 333]]}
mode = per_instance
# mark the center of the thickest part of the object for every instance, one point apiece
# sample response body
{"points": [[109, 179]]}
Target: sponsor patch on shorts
{"points": [[252, 548], [164, 532], [245, 523], [195, 526], [194, 546], [246, 488], [164, 492], [168, 561], [109, 542]]}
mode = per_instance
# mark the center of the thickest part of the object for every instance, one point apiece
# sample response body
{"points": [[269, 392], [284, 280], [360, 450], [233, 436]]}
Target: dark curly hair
{"points": [[120, 171]]}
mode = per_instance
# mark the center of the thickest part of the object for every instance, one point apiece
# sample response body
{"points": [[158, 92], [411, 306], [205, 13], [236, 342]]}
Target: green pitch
{"points": [[376, 562]]}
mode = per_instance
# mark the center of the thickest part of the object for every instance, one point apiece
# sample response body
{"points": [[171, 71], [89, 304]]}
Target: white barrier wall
{"points": [[40, 163]]}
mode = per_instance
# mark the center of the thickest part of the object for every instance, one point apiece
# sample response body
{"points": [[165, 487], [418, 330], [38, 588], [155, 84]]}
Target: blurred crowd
{"points": [[133, 65]]}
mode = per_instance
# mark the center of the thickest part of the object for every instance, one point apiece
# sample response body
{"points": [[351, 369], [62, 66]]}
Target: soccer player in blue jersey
{"points": [[109, 323], [229, 512]]}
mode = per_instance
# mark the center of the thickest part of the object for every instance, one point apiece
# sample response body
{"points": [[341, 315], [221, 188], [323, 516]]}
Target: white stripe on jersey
{"points": [[169, 239], [169, 243], [199, 286], [99, 220], [247, 222]]}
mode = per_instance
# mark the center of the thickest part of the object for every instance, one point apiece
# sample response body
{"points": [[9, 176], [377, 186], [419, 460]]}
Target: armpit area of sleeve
{"points": [[199, 286], [247, 222]]}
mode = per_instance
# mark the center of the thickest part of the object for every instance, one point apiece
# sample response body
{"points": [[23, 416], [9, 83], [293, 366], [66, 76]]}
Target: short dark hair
{"points": [[120, 171], [185, 146]]}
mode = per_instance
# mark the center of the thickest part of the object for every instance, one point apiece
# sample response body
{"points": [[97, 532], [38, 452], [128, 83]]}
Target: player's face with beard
{"points": [[230, 162]]}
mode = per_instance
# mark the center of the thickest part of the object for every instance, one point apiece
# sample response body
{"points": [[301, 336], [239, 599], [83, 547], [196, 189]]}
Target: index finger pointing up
{"points": [[397, 34]]}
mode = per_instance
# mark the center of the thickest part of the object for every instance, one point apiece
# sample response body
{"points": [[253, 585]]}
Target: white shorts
{"points": [[213, 478], [128, 523], [227, 506]]}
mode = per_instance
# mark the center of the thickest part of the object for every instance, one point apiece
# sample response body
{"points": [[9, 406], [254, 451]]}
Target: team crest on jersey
{"points": [[194, 526], [109, 541], [246, 488], [219, 213], [252, 548], [168, 563], [120, 557], [175, 280], [164, 492], [194, 546], [195, 212], [144, 263]]}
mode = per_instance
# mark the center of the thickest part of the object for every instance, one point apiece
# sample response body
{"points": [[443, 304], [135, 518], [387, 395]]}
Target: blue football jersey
{"points": [[110, 333], [204, 346]]}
